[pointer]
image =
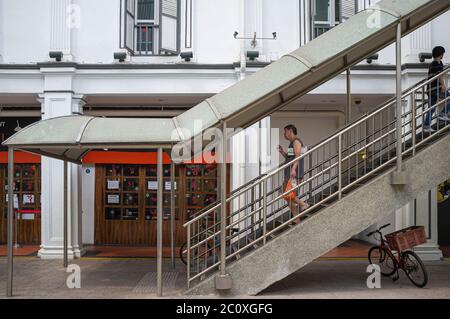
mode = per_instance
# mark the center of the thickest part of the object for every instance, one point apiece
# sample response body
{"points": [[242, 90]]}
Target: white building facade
{"points": [[155, 81]]}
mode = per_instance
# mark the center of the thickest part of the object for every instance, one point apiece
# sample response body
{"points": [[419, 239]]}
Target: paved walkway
{"points": [[349, 249], [136, 278]]}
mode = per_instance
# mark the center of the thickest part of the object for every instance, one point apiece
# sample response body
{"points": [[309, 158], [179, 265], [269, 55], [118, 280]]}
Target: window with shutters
{"points": [[151, 27], [329, 13]]}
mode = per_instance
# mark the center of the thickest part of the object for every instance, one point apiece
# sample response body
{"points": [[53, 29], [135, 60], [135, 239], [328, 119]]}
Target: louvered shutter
{"points": [[348, 9], [169, 26], [129, 24]]}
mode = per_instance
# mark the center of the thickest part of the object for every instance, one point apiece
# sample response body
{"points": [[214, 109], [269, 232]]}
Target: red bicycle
{"points": [[407, 260]]}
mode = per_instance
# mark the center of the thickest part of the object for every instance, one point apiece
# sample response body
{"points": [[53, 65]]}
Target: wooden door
{"points": [[126, 205], [27, 194]]}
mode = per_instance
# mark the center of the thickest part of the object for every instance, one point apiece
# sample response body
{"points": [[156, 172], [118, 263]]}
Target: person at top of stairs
{"points": [[295, 171], [437, 90]]}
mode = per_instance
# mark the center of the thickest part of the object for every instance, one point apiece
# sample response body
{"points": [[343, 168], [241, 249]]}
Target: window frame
{"points": [[154, 24]]}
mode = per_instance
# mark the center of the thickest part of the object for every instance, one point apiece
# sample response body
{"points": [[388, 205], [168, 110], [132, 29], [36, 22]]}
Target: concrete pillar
{"points": [[59, 100]]}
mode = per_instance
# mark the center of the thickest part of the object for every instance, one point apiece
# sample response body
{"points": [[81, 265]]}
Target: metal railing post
{"points": [[9, 283], [414, 112], [264, 210], [159, 223], [349, 98], [252, 217], [340, 165], [188, 256]]}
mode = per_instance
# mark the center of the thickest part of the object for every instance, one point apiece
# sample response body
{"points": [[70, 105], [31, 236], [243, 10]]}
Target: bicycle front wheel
{"points": [[415, 269], [379, 256], [183, 253]]}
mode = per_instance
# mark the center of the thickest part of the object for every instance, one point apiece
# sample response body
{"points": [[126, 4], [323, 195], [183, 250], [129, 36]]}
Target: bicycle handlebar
{"points": [[378, 230]]}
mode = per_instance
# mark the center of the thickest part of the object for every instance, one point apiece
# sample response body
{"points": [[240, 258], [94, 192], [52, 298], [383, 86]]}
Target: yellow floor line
{"points": [[341, 258], [123, 258], [22, 257], [116, 258]]}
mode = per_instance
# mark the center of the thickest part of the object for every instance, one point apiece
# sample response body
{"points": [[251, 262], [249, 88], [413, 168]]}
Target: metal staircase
{"points": [[348, 162]]}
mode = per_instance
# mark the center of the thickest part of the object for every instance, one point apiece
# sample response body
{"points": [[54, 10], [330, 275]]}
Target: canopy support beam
{"points": [[159, 223], [65, 226], [172, 214], [9, 283]]}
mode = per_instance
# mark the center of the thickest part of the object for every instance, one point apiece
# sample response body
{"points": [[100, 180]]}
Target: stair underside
{"points": [[334, 224]]}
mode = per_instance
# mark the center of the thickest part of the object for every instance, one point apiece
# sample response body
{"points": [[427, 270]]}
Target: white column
{"points": [[61, 27], [417, 42], [305, 23], [402, 217], [425, 214], [2, 37], [59, 100], [238, 160]]}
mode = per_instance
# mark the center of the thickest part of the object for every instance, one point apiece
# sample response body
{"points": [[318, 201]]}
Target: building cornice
{"points": [[183, 66]]}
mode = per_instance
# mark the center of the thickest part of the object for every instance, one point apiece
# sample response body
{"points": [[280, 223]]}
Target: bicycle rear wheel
{"points": [[415, 269], [379, 256]]}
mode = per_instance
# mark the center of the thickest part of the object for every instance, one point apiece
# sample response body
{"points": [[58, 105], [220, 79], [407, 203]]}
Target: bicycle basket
{"points": [[406, 238]]}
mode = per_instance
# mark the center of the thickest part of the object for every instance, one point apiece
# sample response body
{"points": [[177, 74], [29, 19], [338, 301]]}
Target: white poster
{"points": [[113, 184], [16, 200], [27, 216], [168, 184], [152, 185], [113, 199], [28, 199]]}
